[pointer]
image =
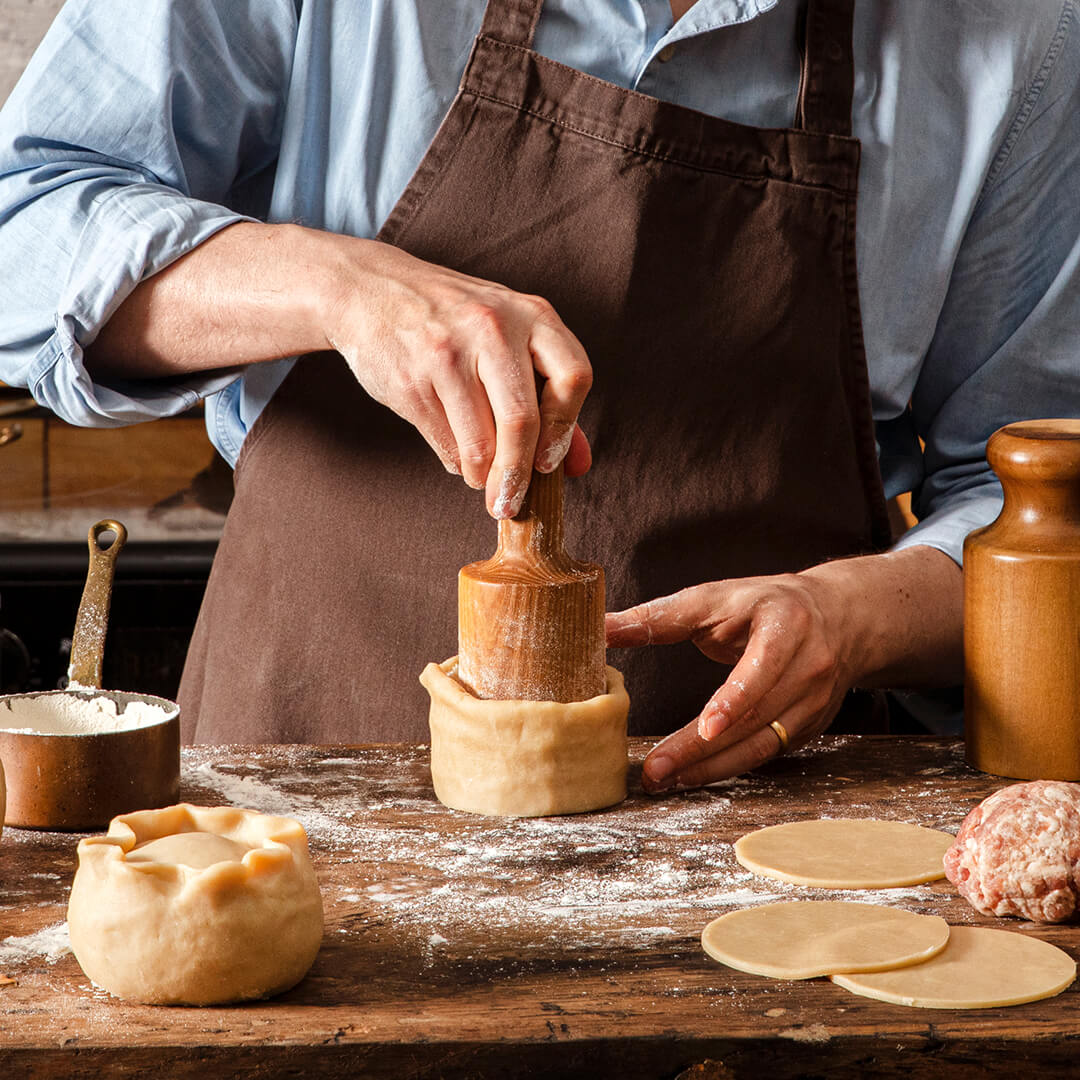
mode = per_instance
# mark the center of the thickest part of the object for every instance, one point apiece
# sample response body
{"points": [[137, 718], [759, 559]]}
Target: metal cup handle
{"points": [[91, 623]]}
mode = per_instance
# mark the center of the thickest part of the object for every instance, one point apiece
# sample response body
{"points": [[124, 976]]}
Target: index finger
{"points": [[664, 620]]}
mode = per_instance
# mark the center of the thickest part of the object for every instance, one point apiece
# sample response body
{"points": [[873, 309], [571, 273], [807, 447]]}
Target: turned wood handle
{"points": [[88, 640], [531, 618], [1038, 464]]}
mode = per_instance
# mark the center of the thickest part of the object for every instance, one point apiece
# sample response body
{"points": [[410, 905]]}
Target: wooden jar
{"points": [[1022, 609]]}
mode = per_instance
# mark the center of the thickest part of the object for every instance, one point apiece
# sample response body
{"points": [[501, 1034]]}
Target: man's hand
{"points": [[456, 356], [798, 643]]}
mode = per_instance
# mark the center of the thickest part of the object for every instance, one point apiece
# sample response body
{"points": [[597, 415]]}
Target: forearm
{"points": [[455, 356], [902, 615], [251, 292]]}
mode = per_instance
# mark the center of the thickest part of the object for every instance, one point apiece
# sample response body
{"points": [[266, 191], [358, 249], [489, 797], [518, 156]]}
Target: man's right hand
{"points": [[458, 357], [454, 355]]}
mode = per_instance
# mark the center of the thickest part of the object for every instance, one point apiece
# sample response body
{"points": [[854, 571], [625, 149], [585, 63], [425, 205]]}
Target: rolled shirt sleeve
{"points": [[1007, 342], [131, 138]]}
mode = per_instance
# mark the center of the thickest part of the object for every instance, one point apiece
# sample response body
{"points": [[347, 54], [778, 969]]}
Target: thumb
{"points": [[665, 620]]}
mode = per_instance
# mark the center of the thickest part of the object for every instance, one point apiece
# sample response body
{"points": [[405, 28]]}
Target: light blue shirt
{"points": [[142, 127]]}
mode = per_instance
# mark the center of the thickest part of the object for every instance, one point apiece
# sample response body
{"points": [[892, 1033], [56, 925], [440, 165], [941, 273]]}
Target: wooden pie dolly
{"points": [[527, 720]]}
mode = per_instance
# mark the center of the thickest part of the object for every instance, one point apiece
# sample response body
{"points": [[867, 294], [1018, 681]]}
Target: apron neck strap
{"points": [[827, 81], [512, 21], [827, 84]]}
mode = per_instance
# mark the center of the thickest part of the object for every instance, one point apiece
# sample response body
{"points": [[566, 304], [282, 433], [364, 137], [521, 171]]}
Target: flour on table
{"points": [[643, 875], [50, 943], [255, 794]]}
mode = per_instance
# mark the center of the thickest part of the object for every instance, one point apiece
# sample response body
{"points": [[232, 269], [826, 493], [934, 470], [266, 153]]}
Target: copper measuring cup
{"points": [[59, 779]]}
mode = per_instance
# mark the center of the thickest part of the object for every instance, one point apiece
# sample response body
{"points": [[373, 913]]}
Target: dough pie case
{"points": [[168, 486]]}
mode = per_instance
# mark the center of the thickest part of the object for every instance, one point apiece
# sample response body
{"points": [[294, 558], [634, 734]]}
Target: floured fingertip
{"points": [[549, 459]]}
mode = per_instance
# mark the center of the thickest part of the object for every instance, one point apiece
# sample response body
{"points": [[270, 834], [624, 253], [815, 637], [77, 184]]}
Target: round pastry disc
{"points": [[806, 938], [979, 969], [846, 853]]}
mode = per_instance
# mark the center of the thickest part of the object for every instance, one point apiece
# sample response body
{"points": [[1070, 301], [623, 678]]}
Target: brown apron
{"points": [[709, 270]]}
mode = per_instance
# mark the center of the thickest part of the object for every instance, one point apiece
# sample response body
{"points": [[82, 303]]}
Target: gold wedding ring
{"points": [[781, 734]]}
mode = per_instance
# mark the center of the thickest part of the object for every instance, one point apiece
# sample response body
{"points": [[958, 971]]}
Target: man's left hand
{"points": [[798, 643]]}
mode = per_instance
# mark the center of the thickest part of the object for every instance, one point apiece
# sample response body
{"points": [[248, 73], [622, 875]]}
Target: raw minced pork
{"points": [[1018, 852]]}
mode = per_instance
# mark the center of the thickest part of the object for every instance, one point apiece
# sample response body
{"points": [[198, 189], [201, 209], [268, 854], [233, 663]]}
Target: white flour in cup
{"points": [[72, 714]]}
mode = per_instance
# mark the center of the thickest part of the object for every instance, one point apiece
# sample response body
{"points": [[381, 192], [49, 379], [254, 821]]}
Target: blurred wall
{"points": [[22, 25]]}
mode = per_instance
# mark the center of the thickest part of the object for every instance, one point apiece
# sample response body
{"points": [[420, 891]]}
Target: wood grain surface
{"points": [[55, 465], [1021, 596], [459, 946], [531, 618]]}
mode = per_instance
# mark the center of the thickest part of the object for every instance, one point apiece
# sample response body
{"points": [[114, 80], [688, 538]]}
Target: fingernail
{"points": [[657, 767], [511, 494], [452, 468], [548, 460], [712, 722], [658, 789]]}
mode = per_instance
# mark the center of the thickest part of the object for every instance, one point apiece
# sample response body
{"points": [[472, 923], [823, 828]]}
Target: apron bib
{"points": [[707, 267]]}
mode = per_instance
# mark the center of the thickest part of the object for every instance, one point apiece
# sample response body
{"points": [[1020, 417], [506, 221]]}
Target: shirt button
{"points": [[665, 54]]}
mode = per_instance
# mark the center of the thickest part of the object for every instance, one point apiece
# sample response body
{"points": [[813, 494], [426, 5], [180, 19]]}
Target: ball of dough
{"points": [[3, 799], [193, 905], [1018, 851]]}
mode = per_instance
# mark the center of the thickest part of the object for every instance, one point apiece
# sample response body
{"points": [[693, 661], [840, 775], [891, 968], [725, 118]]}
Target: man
{"points": [[663, 209]]}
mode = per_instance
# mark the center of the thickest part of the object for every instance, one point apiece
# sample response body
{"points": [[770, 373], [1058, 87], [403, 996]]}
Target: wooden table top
{"points": [[461, 946]]}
